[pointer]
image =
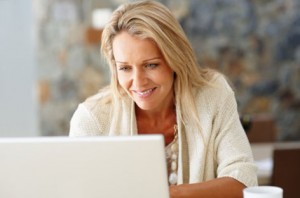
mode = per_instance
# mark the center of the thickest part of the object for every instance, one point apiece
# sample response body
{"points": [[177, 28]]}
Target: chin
{"points": [[145, 107]]}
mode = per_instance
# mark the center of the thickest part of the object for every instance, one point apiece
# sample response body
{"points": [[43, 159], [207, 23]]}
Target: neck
{"points": [[157, 122], [154, 117]]}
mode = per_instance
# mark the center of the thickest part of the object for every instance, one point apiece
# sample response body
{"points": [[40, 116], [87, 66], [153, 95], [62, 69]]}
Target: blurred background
{"points": [[50, 60]]}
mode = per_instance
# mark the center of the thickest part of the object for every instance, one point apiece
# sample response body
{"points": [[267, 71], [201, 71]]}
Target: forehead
{"points": [[126, 46]]}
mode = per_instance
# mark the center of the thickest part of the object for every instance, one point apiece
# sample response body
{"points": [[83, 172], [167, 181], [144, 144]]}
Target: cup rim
{"points": [[263, 189]]}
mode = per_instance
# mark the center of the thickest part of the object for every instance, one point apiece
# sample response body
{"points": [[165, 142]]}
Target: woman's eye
{"points": [[151, 65], [124, 68]]}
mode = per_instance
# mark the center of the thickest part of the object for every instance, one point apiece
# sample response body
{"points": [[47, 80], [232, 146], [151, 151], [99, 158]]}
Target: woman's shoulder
{"points": [[101, 100], [92, 117], [99, 106], [214, 94], [217, 84]]}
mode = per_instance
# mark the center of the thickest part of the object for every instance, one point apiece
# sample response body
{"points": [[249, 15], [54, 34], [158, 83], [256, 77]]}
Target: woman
{"points": [[157, 87]]}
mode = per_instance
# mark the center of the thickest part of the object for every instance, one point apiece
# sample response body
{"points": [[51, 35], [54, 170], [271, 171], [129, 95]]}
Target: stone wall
{"points": [[255, 43]]}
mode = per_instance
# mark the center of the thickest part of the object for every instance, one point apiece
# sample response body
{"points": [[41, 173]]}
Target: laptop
{"points": [[85, 167]]}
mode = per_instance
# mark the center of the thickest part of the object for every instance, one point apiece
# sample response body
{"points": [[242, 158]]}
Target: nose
{"points": [[139, 79]]}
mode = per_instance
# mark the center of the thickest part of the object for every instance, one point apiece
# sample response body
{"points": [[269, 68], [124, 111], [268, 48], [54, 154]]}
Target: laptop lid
{"points": [[86, 167]]}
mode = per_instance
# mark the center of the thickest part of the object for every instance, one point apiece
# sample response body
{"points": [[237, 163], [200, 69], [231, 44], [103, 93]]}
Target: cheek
{"points": [[168, 77], [171, 80], [123, 81]]}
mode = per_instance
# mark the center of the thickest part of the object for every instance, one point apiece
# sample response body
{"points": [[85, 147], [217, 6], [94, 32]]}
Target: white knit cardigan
{"points": [[227, 152]]}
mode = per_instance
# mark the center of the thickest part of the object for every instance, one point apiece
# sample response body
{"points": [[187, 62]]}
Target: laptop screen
{"points": [[89, 167]]}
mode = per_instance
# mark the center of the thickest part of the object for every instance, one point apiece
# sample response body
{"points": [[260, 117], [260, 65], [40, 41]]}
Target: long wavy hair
{"points": [[152, 20]]}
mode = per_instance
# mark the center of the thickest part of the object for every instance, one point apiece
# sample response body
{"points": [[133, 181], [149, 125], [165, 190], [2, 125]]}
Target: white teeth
{"points": [[144, 92]]}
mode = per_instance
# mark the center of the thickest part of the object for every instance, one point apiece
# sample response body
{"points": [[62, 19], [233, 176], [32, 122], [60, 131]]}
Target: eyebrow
{"points": [[150, 59]]}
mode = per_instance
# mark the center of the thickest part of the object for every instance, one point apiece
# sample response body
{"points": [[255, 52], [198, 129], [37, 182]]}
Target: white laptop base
{"points": [[91, 167]]}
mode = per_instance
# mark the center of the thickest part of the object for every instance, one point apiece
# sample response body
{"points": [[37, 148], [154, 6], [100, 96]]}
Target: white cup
{"points": [[263, 192]]}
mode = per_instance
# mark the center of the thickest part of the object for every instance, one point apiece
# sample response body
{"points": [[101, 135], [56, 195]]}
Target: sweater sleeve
{"points": [[234, 155]]}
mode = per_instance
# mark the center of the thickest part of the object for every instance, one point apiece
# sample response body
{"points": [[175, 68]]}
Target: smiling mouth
{"points": [[145, 93]]}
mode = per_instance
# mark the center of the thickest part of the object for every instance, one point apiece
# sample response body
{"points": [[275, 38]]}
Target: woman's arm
{"points": [[221, 187]]}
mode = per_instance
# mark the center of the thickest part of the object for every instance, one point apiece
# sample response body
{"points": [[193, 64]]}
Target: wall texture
{"points": [[256, 43]]}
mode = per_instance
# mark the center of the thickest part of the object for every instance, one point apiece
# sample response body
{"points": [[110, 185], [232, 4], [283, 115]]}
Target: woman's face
{"points": [[143, 72]]}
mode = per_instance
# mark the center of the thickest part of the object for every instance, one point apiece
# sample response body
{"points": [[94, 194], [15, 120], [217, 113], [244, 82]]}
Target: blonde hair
{"points": [[152, 20]]}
